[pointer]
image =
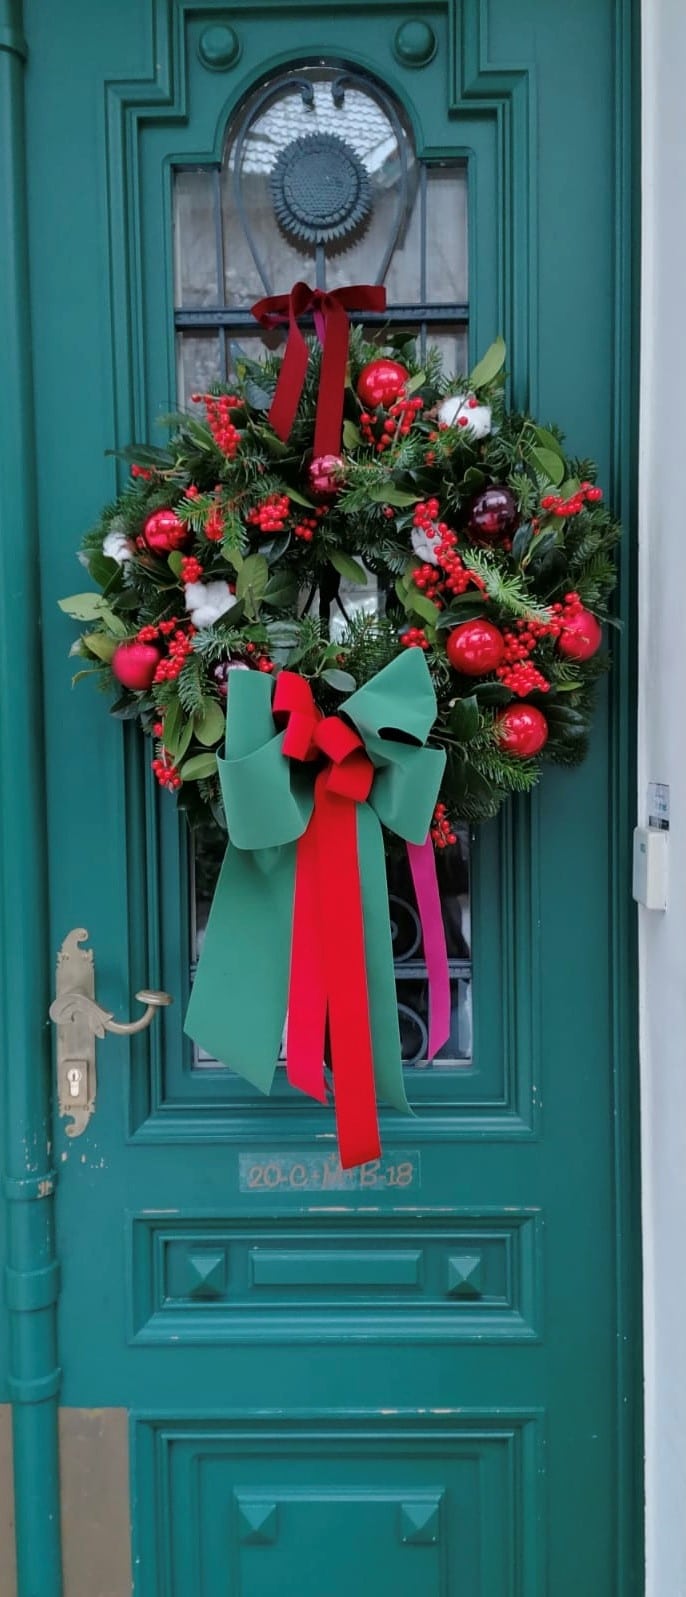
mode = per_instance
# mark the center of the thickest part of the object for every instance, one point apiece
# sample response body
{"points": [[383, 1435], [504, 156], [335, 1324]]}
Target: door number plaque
{"points": [[323, 1172]]}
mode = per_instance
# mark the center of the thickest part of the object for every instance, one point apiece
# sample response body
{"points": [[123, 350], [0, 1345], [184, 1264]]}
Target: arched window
{"points": [[320, 179]]}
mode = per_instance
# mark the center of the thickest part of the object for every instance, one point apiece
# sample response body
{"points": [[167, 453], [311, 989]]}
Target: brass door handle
{"points": [[79, 1020]]}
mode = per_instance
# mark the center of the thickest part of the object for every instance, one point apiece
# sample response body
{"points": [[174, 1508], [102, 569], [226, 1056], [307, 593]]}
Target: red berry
{"points": [[475, 648]]}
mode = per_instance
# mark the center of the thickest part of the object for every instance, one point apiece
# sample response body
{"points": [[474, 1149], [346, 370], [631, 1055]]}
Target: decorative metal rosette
{"points": [[320, 190]]}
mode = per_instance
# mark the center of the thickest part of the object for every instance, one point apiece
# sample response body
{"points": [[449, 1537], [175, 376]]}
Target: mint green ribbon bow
{"points": [[238, 1005]]}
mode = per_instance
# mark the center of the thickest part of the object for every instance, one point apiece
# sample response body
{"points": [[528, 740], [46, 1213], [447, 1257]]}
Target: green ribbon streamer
{"points": [[238, 1004]]}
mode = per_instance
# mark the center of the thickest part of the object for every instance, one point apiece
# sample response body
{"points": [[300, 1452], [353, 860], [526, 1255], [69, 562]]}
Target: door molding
{"points": [[31, 1275]]}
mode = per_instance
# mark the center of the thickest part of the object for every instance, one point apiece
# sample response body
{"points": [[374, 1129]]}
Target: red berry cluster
{"points": [[271, 514], [442, 834], [562, 614], [141, 471], [166, 772], [214, 526], [450, 575], [415, 638], [307, 525], [218, 410], [472, 404], [557, 506], [191, 569], [517, 671], [399, 422], [261, 661], [180, 646]]}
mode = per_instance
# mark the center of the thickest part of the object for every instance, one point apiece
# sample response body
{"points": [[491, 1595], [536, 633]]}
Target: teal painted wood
{"points": [[275, 1393], [30, 1276]]}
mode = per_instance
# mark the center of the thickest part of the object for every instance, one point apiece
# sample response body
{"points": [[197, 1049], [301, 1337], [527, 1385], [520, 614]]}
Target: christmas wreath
{"points": [[232, 617], [233, 547]]}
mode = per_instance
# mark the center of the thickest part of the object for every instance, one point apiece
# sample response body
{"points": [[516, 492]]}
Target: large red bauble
{"points": [[522, 730], [475, 648], [581, 636], [134, 664], [381, 382], [325, 475], [163, 531], [493, 513]]}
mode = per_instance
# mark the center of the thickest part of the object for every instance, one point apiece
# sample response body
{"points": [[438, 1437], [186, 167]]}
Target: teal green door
{"points": [[420, 1380]]}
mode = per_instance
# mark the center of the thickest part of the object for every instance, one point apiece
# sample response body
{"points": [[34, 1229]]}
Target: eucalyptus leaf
{"points": [[209, 723], [549, 465], [257, 397], [99, 644], [341, 681], [347, 567], [490, 364], [83, 606], [352, 436], [199, 766]]}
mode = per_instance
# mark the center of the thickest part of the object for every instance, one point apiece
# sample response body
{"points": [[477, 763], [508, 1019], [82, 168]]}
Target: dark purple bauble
{"points": [[493, 513], [220, 673]]}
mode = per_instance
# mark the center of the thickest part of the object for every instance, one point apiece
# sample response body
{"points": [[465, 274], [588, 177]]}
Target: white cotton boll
{"points": [[117, 547], [207, 601], [458, 407], [424, 546]]}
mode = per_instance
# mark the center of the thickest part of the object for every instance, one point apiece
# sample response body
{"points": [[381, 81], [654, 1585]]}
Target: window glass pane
{"points": [[199, 363], [195, 250], [446, 235]]}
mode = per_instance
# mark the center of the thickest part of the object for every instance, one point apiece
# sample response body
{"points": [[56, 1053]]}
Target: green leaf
{"points": [[199, 766], [421, 606], [232, 555], [352, 436], [489, 365], [547, 440], [549, 465], [341, 681], [570, 486], [347, 567], [174, 561], [521, 541], [466, 608], [209, 723], [79, 675], [251, 583], [540, 546], [274, 548], [492, 693], [300, 499], [473, 479], [282, 590], [382, 493], [464, 719], [101, 568], [175, 725], [415, 382], [83, 606], [99, 644]]}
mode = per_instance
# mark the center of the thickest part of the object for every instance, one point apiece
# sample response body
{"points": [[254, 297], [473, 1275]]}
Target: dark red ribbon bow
{"points": [[331, 322], [328, 976]]}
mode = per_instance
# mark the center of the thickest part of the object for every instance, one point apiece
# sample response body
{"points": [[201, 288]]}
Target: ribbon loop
{"points": [[329, 308]]}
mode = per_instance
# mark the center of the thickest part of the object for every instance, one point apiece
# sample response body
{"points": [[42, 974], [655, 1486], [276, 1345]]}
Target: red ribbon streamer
{"points": [[331, 321], [323, 985]]}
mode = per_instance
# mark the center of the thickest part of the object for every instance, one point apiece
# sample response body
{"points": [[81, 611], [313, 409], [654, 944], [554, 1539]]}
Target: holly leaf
{"points": [[340, 681], [490, 364], [251, 582], [209, 723], [198, 767], [347, 567], [549, 465], [464, 719]]}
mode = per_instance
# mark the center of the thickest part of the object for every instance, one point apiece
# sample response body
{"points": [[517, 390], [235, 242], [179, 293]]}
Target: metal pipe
{"points": [[31, 1272]]}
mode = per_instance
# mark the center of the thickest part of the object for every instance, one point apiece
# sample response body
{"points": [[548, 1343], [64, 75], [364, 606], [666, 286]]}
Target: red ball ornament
{"points": [[163, 531], [475, 648], [325, 475], [134, 664], [493, 513], [522, 730], [581, 636], [381, 382]]}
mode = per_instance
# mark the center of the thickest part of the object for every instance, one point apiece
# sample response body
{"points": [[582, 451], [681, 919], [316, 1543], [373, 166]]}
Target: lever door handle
{"points": [[79, 1020]]}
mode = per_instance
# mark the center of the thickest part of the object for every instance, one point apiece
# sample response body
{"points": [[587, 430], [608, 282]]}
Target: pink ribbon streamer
{"points": [[423, 868]]}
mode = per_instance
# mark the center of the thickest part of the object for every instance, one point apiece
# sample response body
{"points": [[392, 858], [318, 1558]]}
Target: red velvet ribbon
{"points": [[328, 977], [331, 321]]}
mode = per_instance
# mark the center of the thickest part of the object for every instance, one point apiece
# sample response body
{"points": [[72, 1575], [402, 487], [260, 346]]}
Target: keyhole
{"points": [[74, 1078]]}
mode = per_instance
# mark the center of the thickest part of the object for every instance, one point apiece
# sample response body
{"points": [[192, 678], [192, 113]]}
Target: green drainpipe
{"points": [[32, 1273]]}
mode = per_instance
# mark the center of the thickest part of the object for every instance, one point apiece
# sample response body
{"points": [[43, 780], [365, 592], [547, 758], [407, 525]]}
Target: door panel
{"points": [[411, 1370]]}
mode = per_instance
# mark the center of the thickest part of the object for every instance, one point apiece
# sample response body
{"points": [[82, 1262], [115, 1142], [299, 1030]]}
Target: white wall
{"points": [[662, 757]]}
